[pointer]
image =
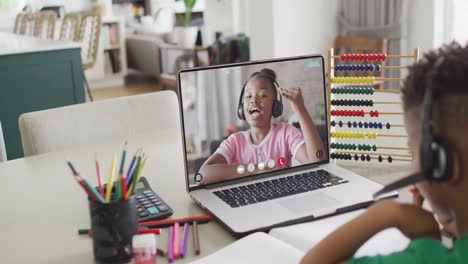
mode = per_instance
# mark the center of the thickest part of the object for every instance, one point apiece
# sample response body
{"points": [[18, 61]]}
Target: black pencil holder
{"points": [[113, 226]]}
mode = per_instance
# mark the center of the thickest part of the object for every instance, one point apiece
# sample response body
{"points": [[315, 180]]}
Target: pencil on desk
{"points": [[201, 219], [170, 244], [175, 246], [99, 177], [196, 238], [183, 251], [110, 182]]}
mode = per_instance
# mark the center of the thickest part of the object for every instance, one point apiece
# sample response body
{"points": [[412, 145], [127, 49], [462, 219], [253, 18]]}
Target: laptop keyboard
{"points": [[277, 188]]}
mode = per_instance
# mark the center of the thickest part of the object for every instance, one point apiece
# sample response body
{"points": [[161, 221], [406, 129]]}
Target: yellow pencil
{"points": [[110, 182]]}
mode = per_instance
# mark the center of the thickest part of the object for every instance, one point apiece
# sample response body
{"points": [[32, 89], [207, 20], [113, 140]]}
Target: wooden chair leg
{"points": [[88, 90]]}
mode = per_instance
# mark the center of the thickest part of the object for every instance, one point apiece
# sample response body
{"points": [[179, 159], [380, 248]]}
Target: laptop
{"points": [[252, 165]]}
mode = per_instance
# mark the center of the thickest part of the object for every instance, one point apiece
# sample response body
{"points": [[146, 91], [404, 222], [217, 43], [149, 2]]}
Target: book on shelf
{"points": [[110, 38], [289, 244]]}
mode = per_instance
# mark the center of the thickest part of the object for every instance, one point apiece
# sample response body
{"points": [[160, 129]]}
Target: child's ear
{"points": [[457, 176]]}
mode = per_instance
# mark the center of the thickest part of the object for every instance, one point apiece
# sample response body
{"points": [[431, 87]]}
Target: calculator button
{"points": [[140, 210], [157, 202], [140, 197], [151, 197], [143, 214], [162, 208], [145, 202], [147, 205], [152, 210], [147, 192]]}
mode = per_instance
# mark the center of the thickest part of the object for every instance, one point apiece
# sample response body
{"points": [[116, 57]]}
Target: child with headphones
{"points": [[265, 146], [435, 102]]}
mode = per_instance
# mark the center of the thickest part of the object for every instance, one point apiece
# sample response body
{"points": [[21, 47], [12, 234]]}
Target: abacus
{"points": [[365, 124]]}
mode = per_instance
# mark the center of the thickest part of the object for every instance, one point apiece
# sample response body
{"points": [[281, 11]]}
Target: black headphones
{"points": [[436, 152], [277, 104]]}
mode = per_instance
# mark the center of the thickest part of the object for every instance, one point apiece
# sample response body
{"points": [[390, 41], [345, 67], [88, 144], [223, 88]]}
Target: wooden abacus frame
{"points": [[330, 74]]}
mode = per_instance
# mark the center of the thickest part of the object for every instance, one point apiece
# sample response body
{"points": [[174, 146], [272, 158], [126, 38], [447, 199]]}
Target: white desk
{"points": [[42, 206]]}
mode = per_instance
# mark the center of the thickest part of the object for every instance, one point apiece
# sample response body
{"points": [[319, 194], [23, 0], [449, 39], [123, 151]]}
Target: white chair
{"points": [[91, 123], [3, 155]]}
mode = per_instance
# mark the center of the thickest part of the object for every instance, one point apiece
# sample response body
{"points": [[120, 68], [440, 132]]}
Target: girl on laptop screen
{"points": [[265, 146]]}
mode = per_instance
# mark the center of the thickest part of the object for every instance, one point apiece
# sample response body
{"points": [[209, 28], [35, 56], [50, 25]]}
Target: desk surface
{"points": [[13, 44], [43, 207]]}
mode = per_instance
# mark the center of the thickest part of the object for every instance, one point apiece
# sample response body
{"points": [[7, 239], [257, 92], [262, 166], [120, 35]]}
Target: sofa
{"points": [[143, 52]]}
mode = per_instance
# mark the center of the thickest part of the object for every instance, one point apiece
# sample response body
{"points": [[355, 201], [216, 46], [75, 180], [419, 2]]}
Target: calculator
{"points": [[149, 205]]}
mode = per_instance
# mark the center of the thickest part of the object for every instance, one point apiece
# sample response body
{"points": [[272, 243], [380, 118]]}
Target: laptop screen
{"points": [[247, 119]]}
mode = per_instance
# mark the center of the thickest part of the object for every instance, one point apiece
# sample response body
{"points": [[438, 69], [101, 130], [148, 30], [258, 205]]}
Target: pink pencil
{"points": [[176, 247], [99, 178]]}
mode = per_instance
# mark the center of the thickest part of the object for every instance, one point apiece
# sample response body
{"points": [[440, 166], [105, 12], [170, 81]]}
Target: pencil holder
{"points": [[113, 226]]}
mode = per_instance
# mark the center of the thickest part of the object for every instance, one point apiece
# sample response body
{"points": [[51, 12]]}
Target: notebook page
{"points": [[307, 235], [255, 248]]}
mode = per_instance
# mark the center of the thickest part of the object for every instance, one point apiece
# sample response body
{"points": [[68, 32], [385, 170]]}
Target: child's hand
{"points": [[411, 220], [294, 95], [447, 222]]}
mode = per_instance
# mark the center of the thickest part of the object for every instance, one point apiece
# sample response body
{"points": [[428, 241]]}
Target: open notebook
{"points": [[288, 244]]}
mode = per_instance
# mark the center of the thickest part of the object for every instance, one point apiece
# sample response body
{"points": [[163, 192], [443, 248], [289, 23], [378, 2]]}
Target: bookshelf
{"points": [[111, 62]]}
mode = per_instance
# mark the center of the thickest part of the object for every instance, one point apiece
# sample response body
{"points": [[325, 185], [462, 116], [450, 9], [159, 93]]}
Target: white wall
{"points": [[218, 16], [304, 26]]}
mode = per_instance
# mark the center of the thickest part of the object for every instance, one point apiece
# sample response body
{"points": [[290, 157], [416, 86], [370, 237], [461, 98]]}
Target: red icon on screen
{"points": [[281, 161]]}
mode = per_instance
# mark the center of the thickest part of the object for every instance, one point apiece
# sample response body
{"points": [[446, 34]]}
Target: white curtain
{"points": [[216, 101], [378, 18]]}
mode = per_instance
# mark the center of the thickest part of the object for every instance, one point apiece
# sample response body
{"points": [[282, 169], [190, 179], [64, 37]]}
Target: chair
{"points": [[70, 27], [88, 35], [92, 123], [19, 22], [361, 44], [44, 26], [27, 24], [3, 155]]}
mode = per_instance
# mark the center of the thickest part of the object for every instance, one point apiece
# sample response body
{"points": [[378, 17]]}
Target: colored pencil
{"points": [[132, 166], [93, 190], [135, 177], [110, 182], [99, 178], [123, 183], [90, 191], [176, 246], [201, 219], [196, 238], [135, 171], [183, 251], [170, 244], [122, 159], [155, 231]]}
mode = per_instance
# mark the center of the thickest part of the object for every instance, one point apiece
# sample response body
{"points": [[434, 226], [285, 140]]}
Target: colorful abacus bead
{"points": [[332, 123], [388, 126], [380, 159], [378, 67], [390, 159], [374, 147]]}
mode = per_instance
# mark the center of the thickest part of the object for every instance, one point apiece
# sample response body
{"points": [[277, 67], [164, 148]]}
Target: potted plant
{"points": [[186, 36]]}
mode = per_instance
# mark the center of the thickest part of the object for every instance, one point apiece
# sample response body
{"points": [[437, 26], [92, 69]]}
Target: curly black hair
{"points": [[452, 75]]}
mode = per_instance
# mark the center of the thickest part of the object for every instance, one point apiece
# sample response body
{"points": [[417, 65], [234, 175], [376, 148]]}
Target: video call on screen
{"points": [[219, 143]]}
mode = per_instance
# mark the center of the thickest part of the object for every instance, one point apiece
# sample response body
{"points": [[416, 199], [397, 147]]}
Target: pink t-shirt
{"points": [[283, 140]]}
